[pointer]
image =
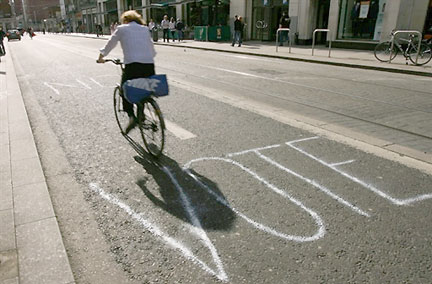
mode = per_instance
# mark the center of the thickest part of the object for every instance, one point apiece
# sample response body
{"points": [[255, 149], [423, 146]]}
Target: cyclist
{"points": [[138, 54]]}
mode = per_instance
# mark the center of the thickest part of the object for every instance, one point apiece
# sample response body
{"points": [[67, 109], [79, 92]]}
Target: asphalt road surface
{"points": [[247, 190]]}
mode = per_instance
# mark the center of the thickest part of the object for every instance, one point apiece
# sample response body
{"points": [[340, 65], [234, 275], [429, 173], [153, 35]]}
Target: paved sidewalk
{"points": [[362, 59], [31, 246]]}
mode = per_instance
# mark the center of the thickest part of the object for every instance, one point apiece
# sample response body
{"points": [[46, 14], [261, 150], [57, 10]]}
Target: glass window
{"points": [[208, 13], [428, 23], [360, 19]]}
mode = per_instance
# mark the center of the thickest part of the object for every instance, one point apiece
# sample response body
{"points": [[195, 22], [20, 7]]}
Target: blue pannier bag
{"points": [[136, 90]]}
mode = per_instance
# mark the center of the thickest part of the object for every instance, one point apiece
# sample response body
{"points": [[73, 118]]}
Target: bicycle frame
{"points": [[410, 43]]}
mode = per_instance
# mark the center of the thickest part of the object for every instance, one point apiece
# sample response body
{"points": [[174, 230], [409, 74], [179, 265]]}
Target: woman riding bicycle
{"points": [[138, 54]]}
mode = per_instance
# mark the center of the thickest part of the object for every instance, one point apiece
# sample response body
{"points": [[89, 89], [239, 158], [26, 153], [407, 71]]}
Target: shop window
{"points": [[209, 12], [428, 23], [361, 19]]}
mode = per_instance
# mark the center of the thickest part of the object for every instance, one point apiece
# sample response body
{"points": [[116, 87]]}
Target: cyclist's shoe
{"points": [[131, 125]]}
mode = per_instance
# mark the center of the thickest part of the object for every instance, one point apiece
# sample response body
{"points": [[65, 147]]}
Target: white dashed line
{"points": [[178, 131]]}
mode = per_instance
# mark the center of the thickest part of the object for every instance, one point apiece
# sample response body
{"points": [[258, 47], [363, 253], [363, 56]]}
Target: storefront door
{"points": [[322, 19], [265, 22]]}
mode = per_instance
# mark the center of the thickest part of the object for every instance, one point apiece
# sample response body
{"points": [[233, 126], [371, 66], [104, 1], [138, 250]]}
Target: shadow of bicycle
{"points": [[180, 193]]}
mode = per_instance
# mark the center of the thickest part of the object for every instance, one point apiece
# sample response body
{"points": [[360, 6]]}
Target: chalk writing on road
{"points": [[197, 229]]}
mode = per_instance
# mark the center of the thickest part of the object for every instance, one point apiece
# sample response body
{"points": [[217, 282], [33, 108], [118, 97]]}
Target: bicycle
{"points": [[383, 50], [146, 111]]}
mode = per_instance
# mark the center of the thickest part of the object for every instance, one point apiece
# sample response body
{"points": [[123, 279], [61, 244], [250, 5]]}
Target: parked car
{"points": [[13, 34]]}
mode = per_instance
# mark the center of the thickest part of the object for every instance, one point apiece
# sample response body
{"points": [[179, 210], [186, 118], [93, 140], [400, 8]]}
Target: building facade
{"points": [[7, 15], [354, 22], [349, 21]]}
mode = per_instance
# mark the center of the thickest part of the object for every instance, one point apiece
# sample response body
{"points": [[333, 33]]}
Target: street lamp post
{"points": [[12, 5], [24, 13]]}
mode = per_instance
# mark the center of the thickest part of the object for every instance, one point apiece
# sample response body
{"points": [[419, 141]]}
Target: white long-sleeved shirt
{"points": [[165, 24], [135, 42], [172, 26]]}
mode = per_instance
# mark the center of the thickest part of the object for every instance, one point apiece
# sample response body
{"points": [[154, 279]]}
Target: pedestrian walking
{"points": [[284, 22], [98, 30], [30, 32], [179, 28], [242, 25], [165, 28], [2, 36], [151, 25], [237, 31], [172, 27]]}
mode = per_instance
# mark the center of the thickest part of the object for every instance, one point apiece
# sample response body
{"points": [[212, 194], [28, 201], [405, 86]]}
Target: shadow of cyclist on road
{"points": [[166, 172]]}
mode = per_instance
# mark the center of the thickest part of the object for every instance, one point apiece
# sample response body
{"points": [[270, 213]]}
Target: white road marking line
{"points": [[178, 131], [63, 85], [342, 163], [96, 82], [252, 150], [372, 188], [84, 84], [303, 139], [52, 88], [319, 222], [155, 230], [197, 228]]}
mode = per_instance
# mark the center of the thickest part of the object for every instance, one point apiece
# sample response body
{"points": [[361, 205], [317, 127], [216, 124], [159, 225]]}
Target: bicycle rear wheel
{"points": [[382, 51], [424, 56], [152, 127]]}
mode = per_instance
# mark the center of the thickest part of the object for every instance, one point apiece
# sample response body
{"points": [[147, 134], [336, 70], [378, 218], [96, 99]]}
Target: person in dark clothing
{"points": [[356, 24], [372, 17], [2, 48], [237, 31], [284, 23], [179, 27]]}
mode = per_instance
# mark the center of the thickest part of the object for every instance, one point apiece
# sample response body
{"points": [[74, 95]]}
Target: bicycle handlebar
{"points": [[116, 61]]}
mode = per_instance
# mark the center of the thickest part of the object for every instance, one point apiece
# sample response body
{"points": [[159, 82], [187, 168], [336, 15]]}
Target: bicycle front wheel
{"points": [[152, 127], [382, 51], [121, 116], [424, 56]]}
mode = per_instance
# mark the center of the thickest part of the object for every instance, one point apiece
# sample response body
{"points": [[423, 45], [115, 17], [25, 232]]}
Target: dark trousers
{"points": [[2, 48], [134, 71], [166, 34]]}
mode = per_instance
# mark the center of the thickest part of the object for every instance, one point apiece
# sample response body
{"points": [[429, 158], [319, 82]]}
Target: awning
{"points": [[173, 3]]}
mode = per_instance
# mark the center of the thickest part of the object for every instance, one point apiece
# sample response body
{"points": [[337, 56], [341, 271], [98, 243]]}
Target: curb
{"points": [[40, 252]]}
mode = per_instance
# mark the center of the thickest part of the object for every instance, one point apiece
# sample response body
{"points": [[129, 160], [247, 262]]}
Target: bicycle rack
{"points": [[313, 39], [277, 38], [406, 32], [261, 25]]}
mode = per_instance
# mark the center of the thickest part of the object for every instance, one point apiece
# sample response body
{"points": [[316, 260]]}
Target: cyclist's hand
{"points": [[100, 60]]}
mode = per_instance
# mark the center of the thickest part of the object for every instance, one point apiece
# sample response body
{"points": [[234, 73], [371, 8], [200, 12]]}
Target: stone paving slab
{"points": [[20, 130], [32, 203], [7, 226], [41, 254], [27, 171], [9, 267], [5, 196]]}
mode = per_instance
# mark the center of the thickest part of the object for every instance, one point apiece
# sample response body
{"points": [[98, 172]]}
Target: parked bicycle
{"points": [[141, 92], [409, 48]]}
